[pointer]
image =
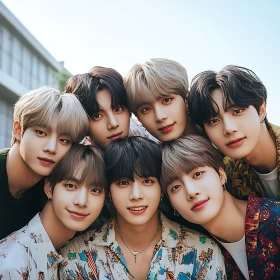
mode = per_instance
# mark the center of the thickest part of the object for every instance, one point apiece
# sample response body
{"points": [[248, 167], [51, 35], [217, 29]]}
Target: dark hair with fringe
{"points": [[241, 87], [181, 156], [131, 157], [88, 158], [85, 87]]}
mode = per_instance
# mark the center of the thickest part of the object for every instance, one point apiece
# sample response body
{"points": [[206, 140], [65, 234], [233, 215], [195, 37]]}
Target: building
{"points": [[24, 65]]}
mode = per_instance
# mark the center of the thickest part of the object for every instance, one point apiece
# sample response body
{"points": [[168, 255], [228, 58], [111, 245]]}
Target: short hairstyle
{"points": [[131, 157], [85, 87], [240, 86], [88, 158], [183, 155], [155, 78], [37, 107]]}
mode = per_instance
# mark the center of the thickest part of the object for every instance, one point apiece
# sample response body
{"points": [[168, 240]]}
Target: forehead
{"points": [[104, 99]]}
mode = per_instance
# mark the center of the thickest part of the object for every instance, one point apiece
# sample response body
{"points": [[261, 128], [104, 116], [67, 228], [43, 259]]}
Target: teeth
{"points": [[137, 208]]}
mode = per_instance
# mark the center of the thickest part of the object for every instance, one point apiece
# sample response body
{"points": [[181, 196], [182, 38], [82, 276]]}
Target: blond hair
{"points": [[156, 78], [37, 108]]}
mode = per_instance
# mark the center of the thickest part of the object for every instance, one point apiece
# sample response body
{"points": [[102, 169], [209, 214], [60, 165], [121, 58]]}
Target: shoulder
{"points": [[3, 158]]}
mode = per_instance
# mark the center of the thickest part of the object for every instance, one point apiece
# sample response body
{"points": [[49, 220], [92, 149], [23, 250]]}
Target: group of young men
{"points": [[203, 155]]}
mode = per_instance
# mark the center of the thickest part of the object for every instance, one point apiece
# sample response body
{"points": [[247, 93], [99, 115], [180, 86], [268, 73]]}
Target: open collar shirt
{"points": [[181, 254], [29, 254]]}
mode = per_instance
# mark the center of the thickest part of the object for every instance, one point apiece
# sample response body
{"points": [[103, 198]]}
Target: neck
{"points": [[190, 127], [138, 236], [263, 162], [58, 233], [229, 224], [20, 176]]}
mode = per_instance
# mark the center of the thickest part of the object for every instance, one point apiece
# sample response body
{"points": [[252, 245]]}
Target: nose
{"points": [[136, 192], [191, 190], [112, 121], [51, 145], [230, 126], [81, 197], [160, 114]]}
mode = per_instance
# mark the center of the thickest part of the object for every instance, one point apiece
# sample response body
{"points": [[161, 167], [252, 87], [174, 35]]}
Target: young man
{"points": [[75, 199], [157, 94], [231, 107], [139, 242], [104, 98], [46, 123], [194, 180]]}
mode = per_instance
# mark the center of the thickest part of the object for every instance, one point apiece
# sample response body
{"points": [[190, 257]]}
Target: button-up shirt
{"points": [[29, 254], [181, 254]]}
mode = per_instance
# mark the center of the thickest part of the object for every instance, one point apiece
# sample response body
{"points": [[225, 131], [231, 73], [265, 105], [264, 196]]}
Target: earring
{"points": [[176, 212], [110, 198], [161, 198], [224, 185]]}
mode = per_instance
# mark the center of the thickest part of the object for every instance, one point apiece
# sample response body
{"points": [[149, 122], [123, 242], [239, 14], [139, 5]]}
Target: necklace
{"points": [[135, 253]]}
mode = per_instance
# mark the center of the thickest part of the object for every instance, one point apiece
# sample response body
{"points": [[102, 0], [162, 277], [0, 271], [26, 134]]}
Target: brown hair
{"points": [[182, 155], [89, 158]]}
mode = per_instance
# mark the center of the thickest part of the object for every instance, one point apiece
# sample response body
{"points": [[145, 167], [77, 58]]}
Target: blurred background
{"points": [[43, 42]]}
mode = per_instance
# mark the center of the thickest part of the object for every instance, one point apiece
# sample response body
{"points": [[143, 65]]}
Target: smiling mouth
{"points": [[167, 128], [199, 204], [115, 136], [46, 161], [137, 208], [78, 216], [235, 142]]}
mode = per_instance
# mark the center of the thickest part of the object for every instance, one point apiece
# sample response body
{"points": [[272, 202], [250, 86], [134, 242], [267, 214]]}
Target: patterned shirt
{"points": [[262, 240], [29, 254], [243, 180], [181, 254]]}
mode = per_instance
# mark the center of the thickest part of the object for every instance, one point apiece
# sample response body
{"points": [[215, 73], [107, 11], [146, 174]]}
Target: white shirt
{"points": [[270, 182], [238, 252], [29, 254]]}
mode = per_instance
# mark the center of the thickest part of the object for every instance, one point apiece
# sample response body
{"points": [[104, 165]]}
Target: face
{"points": [[109, 123], [166, 118], [136, 202], [198, 196], [237, 131], [75, 203], [41, 148]]}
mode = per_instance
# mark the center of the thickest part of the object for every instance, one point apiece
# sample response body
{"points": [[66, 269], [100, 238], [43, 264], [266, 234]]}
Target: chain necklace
{"points": [[135, 253]]}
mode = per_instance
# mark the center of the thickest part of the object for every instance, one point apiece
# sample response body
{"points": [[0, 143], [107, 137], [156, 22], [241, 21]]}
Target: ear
{"points": [[48, 189], [17, 130], [223, 176], [262, 112]]}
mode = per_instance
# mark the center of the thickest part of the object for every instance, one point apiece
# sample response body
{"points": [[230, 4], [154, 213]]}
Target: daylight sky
{"points": [[199, 34]]}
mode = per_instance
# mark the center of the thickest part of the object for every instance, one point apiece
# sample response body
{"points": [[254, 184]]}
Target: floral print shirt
{"points": [[29, 254], [181, 254], [262, 240], [242, 179]]}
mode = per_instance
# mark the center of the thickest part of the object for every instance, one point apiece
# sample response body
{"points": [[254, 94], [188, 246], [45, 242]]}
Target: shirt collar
{"points": [[105, 236], [38, 233]]}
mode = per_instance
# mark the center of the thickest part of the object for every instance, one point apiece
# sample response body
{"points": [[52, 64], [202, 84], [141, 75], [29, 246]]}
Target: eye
{"points": [[119, 108], [238, 111], [70, 186], [198, 174], [175, 188], [166, 100], [148, 182], [212, 121], [145, 110], [65, 141], [96, 191], [123, 182], [96, 116], [40, 132]]}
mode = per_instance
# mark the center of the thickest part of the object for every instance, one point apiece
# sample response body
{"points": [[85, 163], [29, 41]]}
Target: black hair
{"points": [[133, 156], [241, 87], [85, 87]]}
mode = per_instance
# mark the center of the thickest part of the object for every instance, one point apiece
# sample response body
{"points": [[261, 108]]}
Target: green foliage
{"points": [[62, 77]]}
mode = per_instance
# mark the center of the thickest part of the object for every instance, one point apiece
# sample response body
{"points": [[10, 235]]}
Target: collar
{"points": [[105, 236], [38, 233]]}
